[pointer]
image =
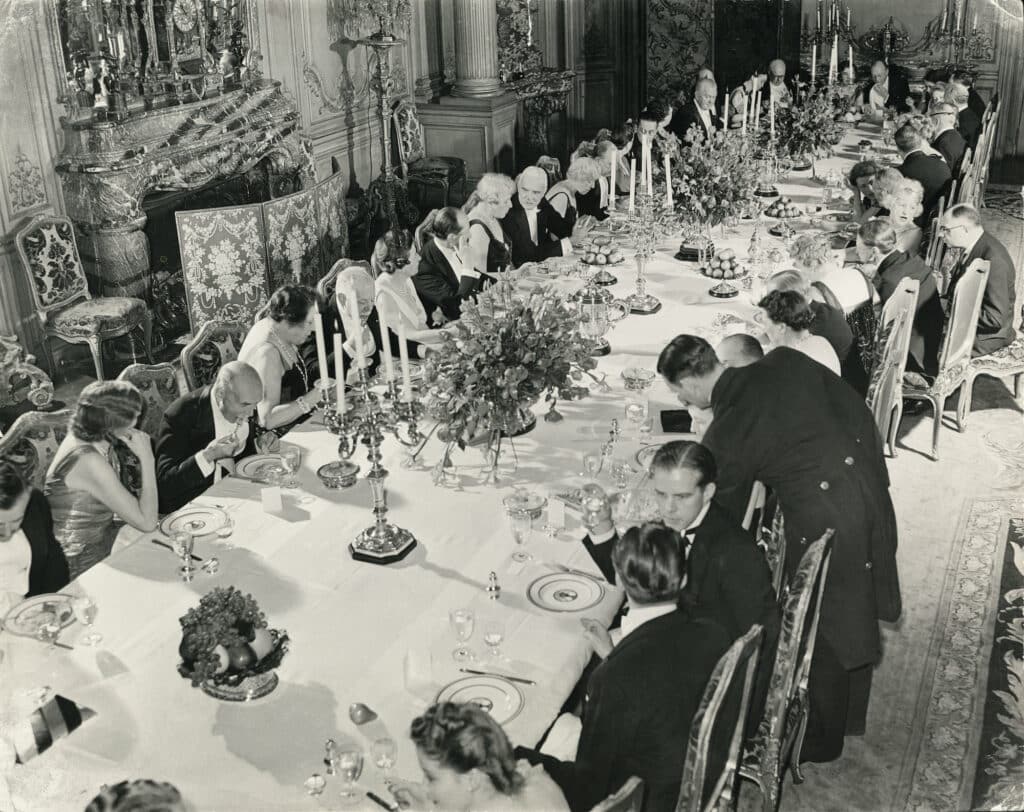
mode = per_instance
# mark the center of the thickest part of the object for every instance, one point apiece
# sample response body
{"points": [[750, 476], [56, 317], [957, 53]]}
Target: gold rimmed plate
{"points": [[565, 592], [260, 467], [199, 520], [494, 695], [28, 617]]}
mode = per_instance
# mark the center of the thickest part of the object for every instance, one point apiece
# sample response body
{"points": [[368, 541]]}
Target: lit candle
{"points": [[668, 181], [975, 27], [385, 340], [611, 185], [321, 347], [814, 63], [745, 101], [632, 185], [818, 17], [403, 359], [725, 110], [850, 58], [847, 16], [945, 18], [339, 373]]}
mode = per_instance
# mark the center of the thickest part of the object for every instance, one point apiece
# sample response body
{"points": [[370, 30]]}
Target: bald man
{"points": [[528, 223], [739, 350], [206, 431], [778, 90], [698, 119], [885, 91]]}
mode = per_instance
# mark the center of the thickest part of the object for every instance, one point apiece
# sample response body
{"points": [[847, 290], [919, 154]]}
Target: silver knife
{"points": [[563, 568], [503, 676]]}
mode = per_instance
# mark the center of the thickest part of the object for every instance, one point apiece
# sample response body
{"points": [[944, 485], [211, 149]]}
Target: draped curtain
{"points": [[1009, 52]]}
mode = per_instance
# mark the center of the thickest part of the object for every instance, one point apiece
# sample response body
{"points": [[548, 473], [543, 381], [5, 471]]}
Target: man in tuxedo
{"points": [[876, 248], [974, 100], [946, 139], [930, 171], [204, 431], [961, 228], [527, 224], [778, 89], [31, 560], [791, 424], [967, 120], [739, 350], [885, 91], [699, 113], [443, 281], [641, 699]]}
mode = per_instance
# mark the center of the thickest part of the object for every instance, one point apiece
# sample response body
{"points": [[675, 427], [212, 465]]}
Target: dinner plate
{"points": [[837, 218], [29, 616], [565, 592], [260, 467], [199, 520], [495, 695]]}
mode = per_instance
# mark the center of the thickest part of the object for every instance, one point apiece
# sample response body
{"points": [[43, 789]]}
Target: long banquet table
{"points": [[353, 626]]}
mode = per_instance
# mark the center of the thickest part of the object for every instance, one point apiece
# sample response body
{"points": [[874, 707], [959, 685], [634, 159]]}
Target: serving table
{"points": [[354, 627]]}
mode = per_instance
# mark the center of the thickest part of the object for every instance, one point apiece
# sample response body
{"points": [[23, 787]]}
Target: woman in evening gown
{"points": [[565, 195], [489, 251], [102, 475], [395, 263]]}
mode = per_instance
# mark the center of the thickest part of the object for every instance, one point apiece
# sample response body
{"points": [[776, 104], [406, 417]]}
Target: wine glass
{"points": [[48, 632], [636, 409], [349, 767], [462, 622], [225, 531], [494, 633], [385, 754], [183, 542], [291, 458], [593, 461], [85, 613], [522, 529]]}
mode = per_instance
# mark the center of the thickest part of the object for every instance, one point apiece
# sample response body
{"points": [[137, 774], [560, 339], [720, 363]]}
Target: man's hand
{"points": [[222, 448], [410, 795], [598, 637], [581, 229]]}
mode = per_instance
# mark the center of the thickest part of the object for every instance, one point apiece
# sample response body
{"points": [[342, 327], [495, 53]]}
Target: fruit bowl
{"points": [[251, 681], [783, 209], [727, 274], [601, 250]]}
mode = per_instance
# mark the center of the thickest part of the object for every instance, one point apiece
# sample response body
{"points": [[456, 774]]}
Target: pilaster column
{"points": [[476, 49]]}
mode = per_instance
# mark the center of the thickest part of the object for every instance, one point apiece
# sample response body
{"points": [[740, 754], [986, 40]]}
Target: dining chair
{"points": [[158, 384], [955, 354], [426, 172], [773, 541], [729, 687], [552, 167], [892, 347], [627, 798], [780, 735], [32, 442], [420, 235], [60, 293], [214, 345]]}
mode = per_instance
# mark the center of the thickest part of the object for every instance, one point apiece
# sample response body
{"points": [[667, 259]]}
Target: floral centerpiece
{"points": [[712, 178], [807, 130], [226, 647], [496, 361]]}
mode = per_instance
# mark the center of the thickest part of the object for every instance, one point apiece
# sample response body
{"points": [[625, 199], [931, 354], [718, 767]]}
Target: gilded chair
{"points": [[20, 379], [627, 798], [552, 166], [32, 442], [60, 293], [955, 355], [885, 390], [439, 173], [214, 345], [158, 384], [773, 541], [720, 718], [780, 735]]}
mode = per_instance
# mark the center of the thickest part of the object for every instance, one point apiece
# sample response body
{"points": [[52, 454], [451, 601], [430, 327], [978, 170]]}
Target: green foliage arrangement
{"points": [[712, 178]]}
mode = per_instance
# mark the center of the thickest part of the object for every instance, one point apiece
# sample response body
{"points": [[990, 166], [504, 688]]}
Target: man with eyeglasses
{"points": [[961, 228], [946, 139]]}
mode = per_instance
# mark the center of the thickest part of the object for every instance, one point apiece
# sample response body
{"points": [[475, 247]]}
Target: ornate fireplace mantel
{"points": [[107, 168]]}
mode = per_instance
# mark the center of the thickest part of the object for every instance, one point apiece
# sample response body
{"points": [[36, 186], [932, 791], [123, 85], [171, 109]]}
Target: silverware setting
{"points": [[509, 677]]}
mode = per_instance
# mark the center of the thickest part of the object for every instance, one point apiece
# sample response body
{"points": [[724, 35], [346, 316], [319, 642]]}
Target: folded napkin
{"points": [[564, 737], [57, 718]]}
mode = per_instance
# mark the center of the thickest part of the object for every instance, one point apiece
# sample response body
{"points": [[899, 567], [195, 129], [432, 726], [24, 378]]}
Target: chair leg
{"points": [[936, 425], [963, 406], [894, 426], [97, 356], [798, 746]]}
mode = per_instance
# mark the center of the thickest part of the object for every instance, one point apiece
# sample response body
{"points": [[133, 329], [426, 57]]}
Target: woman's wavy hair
{"points": [[105, 407], [391, 252], [586, 170], [492, 187], [463, 737], [789, 308], [291, 304]]}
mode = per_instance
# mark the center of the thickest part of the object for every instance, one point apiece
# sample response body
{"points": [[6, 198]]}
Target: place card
{"points": [[272, 501], [556, 514]]}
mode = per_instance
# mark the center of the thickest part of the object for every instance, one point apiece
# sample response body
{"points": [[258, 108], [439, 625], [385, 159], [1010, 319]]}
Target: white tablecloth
{"points": [[351, 624]]}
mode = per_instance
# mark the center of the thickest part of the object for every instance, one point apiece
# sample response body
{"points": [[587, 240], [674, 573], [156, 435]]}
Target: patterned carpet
{"points": [[1006, 199]]}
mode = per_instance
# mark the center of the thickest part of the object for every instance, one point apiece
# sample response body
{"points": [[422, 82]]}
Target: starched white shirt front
{"points": [[222, 427]]}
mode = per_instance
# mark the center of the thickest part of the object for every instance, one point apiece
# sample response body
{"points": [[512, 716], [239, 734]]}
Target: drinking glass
{"points": [[494, 633], [637, 410], [593, 461], [225, 530], [291, 458], [461, 621], [48, 633], [85, 613], [385, 753], [183, 542], [349, 767], [522, 529]]}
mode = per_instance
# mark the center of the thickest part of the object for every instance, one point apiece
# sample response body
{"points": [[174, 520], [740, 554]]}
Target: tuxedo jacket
{"points": [[975, 102], [929, 318], [187, 428], [934, 176], [727, 579], [899, 90], [791, 424], [969, 124], [952, 146], [438, 286], [995, 322], [639, 707], [517, 231], [48, 571], [687, 117]]}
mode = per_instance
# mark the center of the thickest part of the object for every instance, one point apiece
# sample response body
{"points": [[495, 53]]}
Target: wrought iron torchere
{"points": [[384, 85], [367, 418]]}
